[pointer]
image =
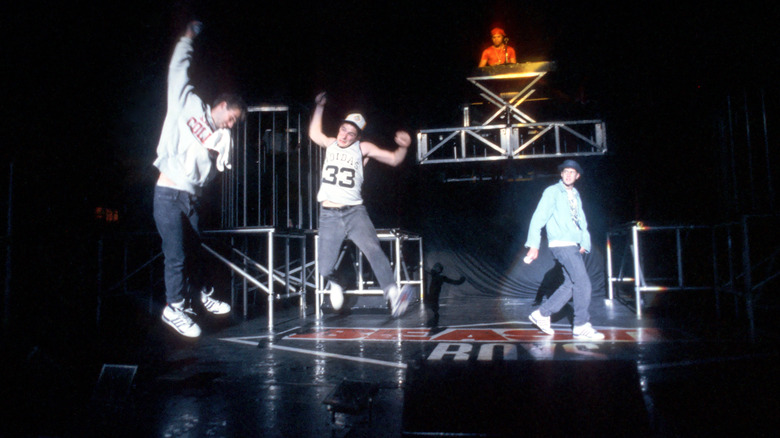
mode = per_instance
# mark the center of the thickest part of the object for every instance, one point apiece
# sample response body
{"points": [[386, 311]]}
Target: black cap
{"points": [[570, 164]]}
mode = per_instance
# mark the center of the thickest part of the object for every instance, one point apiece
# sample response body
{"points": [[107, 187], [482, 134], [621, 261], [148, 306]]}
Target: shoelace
{"points": [[181, 318]]}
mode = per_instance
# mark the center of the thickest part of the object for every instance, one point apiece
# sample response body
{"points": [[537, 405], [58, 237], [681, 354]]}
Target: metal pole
{"points": [[287, 265], [300, 182], [421, 269], [287, 168], [637, 270], [233, 276], [245, 283], [317, 279], [271, 281], [734, 189], [302, 302], [767, 158], [398, 260], [309, 177], [274, 194], [746, 265], [259, 169], [679, 260], [466, 122], [750, 158], [610, 293]]}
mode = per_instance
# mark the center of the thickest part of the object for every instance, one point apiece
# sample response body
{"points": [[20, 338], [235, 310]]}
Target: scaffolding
{"points": [[269, 209], [644, 261], [737, 259], [510, 131]]}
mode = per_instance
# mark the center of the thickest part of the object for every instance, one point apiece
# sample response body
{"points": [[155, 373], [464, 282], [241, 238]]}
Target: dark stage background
{"points": [[84, 102]]}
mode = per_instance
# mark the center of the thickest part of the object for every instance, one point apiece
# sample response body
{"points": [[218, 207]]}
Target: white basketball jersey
{"points": [[342, 175]]}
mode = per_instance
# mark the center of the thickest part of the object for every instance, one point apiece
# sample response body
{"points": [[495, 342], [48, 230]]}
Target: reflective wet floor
{"points": [[483, 371]]}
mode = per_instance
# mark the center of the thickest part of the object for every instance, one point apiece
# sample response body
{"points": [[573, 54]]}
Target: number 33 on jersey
{"points": [[342, 175]]}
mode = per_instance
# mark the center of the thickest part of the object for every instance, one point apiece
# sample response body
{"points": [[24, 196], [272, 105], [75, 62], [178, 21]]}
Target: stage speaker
{"points": [[524, 398]]}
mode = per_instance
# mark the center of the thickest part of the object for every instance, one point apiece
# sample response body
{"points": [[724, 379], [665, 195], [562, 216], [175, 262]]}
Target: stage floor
{"points": [[669, 374]]}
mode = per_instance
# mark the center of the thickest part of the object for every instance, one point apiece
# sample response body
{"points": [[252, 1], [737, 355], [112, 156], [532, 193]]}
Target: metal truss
{"points": [[516, 141], [507, 90]]}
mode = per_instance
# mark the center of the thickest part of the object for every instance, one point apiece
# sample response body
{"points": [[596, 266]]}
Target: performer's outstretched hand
{"points": [[193, 29], [320, 99]]}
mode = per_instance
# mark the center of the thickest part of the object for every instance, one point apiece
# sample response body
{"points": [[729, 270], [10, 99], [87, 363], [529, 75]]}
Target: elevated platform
{"points": [[507, 129]]}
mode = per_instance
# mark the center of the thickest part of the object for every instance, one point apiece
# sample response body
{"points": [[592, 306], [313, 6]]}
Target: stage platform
{"points": [[484, 371]]}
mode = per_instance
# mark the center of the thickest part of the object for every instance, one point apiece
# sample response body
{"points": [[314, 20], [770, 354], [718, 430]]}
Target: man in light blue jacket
{"points": [[560, 213]]}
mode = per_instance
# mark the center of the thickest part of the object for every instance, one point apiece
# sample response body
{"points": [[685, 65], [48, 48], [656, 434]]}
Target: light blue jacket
{"points": [[554, 214]]}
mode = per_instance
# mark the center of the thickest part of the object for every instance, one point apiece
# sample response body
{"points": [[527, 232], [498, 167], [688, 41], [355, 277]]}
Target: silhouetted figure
{"points": [[434, 289]]}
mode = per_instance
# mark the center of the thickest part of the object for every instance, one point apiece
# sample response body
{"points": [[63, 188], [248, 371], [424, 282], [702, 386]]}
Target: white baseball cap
{"points": [[357, 120]]}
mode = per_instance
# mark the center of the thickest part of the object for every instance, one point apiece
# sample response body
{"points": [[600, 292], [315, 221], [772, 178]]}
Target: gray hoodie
{"points": [[181, 155]]}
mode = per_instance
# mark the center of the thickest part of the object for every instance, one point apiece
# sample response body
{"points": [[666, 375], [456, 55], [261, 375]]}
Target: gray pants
{"points": [[576, 285], [353, 223]]}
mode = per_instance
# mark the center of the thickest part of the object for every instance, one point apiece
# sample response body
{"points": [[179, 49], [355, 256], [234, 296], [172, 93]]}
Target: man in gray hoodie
{"points": [[195, 143]]}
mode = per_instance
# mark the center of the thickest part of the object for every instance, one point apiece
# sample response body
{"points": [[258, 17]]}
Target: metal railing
{"points": [[513, 142], [741, 259]]}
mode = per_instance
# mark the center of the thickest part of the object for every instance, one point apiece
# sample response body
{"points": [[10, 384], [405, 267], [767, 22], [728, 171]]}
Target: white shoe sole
{"points": [[195, 333], [599, 337], [547, 331], [336, 297]]}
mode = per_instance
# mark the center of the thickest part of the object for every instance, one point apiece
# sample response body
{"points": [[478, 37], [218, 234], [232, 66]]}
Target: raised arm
{"points": [[391, 158], [315, 127], [179, 88]]}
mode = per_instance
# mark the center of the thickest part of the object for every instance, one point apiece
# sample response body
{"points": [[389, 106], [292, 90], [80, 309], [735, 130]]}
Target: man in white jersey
{"points": [[194, 144], [342, 213]]}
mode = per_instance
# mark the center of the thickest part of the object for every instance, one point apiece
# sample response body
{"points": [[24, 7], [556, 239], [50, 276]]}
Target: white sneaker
{"points": [[399, 300], [215, 307], [586, 331], [336, 296], [541, 322], [175, 316]]}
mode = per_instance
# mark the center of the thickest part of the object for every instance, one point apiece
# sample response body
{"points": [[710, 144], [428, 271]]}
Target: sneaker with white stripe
{"points": [[213, 306], [541, 322], [587, 332], [175, 316]]}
